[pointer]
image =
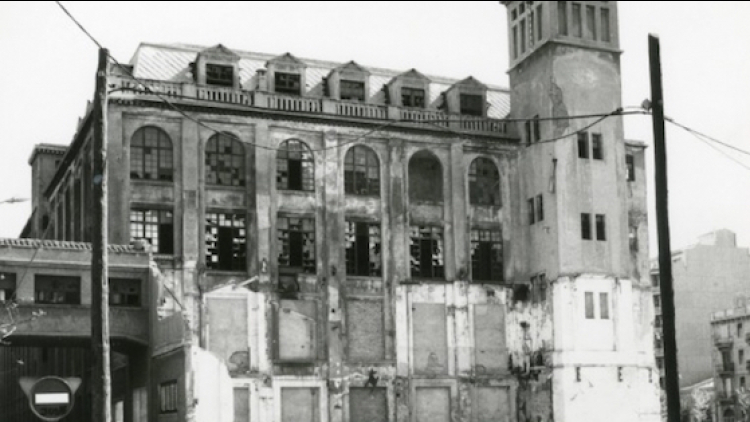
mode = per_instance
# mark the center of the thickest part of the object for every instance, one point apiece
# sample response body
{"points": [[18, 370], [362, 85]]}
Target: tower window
{"points": [[586, 226], [226, 242], [590, 22], [287, 83], [630, 165], [606, 37], [296, 237], [539, 208], [597, 149], [562, 17], [523, 35], [539, 27], [363, 249], [531, 211], [601, 227], [577, 21], [515, 41], [583, 145], [426, 247], [486, 255], [412, 97], [219, 75]]}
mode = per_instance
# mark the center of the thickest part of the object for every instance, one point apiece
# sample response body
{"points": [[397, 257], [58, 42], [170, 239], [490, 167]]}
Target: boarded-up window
{"points": [[297, 330], [492, 404], [433, 404], [365, 330], [491, 355], [300, 405], [241, 404], [430, 339], [425, 178], [227, 332], [368, 405]]}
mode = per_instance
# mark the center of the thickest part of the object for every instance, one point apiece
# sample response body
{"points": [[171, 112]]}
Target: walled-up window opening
{"points": [[487, 255], [225, 161], [124, 292], [601, 227], [583, 145], [412, 97], [591, 22], [606, 37], [630, 165], [287, 83], [352, 90], [531, 211], [222, 75], [295, 168], [151, 155], [539, 208], [484, 183], [586, 226], [425, 178], [604, 305], [296, 237], [562, 17], [361, 172], [168, 398], [539, 26], [7, 286], [589, 298], [597, 147], [577, 21], [426, 247], [57, 290], [154, 226], [363, 249], [226, 241]]}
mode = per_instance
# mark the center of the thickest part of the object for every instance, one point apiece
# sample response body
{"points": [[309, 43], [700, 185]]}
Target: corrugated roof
{"points": [[170, 62]]}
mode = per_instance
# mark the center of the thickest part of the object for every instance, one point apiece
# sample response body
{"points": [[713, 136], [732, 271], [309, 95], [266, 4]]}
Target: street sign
{"points": [[50, 398]]}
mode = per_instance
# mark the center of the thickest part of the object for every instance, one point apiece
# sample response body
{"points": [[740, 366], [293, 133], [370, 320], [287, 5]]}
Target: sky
{"points": [[48, 70]]}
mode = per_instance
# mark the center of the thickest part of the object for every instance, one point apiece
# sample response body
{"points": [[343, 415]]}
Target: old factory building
{"points": [[338, 242]]}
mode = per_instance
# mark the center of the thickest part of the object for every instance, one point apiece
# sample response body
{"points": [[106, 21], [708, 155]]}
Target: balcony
{"points": [[723, 342], [725, 369], [126, 88], [62, 321]]}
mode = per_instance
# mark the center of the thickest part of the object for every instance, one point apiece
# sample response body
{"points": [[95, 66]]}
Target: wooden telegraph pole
{"points": [[672, 382], [101, 380]]}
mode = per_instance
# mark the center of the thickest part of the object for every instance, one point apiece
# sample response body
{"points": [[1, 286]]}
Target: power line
{"points": [[91, 37], [704, 136], [708, 141]]}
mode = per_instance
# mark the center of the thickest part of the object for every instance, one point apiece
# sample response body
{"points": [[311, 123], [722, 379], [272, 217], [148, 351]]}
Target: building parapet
{"points": [[734, 313]]}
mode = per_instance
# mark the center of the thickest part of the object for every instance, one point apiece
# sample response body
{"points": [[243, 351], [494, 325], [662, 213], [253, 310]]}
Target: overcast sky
{"points": [[48, 69]]}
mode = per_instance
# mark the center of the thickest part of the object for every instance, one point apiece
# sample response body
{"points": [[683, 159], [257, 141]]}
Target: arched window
{"points": [[225, 161], [484, 183], [361, 172], [151, 155], [295, 168], [425, 178]]}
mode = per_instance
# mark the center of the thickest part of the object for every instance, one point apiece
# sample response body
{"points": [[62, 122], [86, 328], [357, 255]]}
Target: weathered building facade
{"points": [[731, 368], [359, 244]]}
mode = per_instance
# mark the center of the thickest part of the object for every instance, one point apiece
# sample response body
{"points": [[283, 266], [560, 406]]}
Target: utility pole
{"points": [[672, 382], [101, 380]]}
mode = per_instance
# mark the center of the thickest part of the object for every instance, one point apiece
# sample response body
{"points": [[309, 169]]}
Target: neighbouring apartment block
{"points": [[730, 329], [707, 276], [350, 243]]}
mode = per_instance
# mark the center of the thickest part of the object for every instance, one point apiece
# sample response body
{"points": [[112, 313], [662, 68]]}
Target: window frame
{"points": [[114, 283], [287, 83], [484, 176], [583, 145], [414, 95], [163, 218], [600, 221], [348, 85], [371, 184], [222, 78], [353, 249], [216, 230], [220, 164], [54, 281], [597, 146], [8, 286], [169, 397], [305, 230], [586, 233], [306, 170], [469, 102], [437, 248], [495, 268], [630, 167], [539, 208], [163, 163]]}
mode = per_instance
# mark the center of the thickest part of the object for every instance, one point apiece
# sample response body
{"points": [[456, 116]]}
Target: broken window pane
{"points": [[226, 242], [426, 246], [487, 255], [151, 155], [412, 97], [288, 83], [361, 172], [352, 90], [294, 167], [363, 251], [222, 75], [154, 226], [296, 238], [484, 183], [225, 161]]}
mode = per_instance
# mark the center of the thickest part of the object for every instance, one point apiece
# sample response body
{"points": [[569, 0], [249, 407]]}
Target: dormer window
{"points": [[412, 97], [472, 104], [352, 90], [217, 74], [287, 83]]}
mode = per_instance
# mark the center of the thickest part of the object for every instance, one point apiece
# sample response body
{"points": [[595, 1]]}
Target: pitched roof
{"points": [[170, 62]]}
